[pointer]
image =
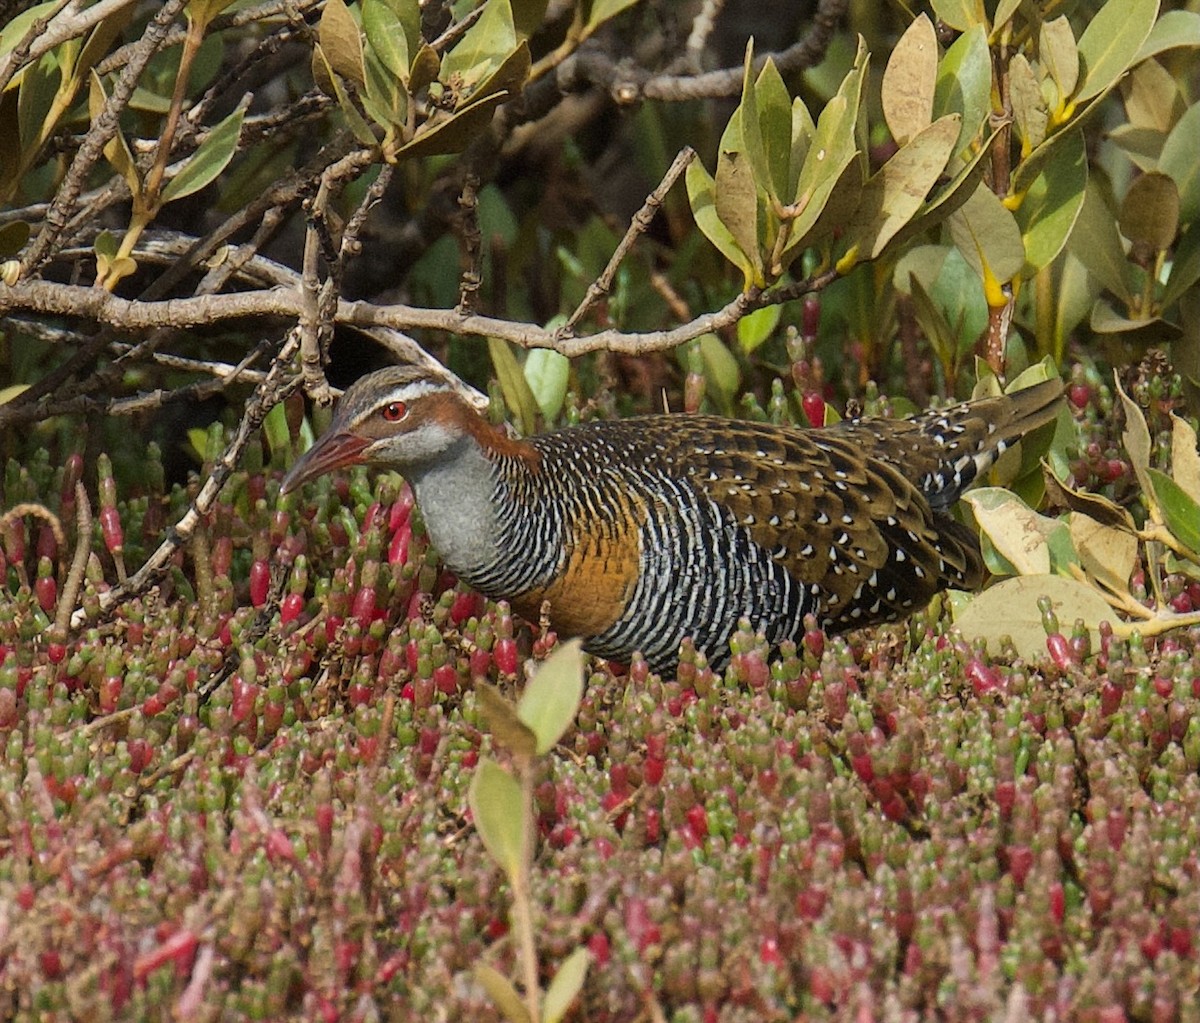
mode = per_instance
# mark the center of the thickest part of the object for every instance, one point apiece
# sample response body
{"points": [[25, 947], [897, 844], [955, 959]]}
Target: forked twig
{"points": [[276, 386], [638, 226]]}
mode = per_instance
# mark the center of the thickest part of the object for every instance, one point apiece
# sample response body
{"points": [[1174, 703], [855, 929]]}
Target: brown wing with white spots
{"points": [[839, 519]]}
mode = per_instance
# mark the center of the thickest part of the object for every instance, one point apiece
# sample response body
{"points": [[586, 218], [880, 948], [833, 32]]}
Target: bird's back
{"points": [[675, 525]]}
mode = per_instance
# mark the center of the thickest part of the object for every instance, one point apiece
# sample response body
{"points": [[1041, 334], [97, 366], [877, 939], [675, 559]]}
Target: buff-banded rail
{"points": [[636, 533]]}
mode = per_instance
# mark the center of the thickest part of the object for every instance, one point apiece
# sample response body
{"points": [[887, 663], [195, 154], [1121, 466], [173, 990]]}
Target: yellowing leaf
{"points": [[1020, 535], [909, 81], [503, 723], [897, 190], [1185, 459], [1010, 608], [1136, 438], [1105, 553], [1060, 57], [340, 39]]}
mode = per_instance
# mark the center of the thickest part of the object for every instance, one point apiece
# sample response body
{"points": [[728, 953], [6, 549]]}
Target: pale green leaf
{"points": [[833, 148], [722, 375], [964, 85], [960, 14], [566, 985], [1134, 329], [548, 373], [756, 327], [386, 36], [987, 235], [482, 48], [1174, 29], [35, 97], [1096, 243], [384, 99], [209, 160], [14, 31], [1179, 160], [551, 700], [1185, 267], [775, 123], [1110, 43], [803, 130], [749, 138], [499, 813], [502, 993], [1005, 10], [1050, 204], [1180, 513], [604, 10]]}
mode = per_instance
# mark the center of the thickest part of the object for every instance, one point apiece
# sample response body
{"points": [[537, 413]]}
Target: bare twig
{"points": [[637, 226], [351, 245], [28, 48], [702, 26], [103, 129], [472, 244], [278, 384], [89, 303], [83, 548]]}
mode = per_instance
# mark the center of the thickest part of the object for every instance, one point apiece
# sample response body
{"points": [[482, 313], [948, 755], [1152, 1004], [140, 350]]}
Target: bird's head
{"points": [[398, 418]]}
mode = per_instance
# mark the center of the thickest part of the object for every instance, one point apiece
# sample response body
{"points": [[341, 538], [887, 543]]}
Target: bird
{"points": [[636, 533]]}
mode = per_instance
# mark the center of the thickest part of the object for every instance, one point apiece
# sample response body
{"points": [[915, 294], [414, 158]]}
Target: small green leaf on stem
{"points": [[502, 993], [566, 985], [498, 809], [551, 700], [505, 725], [1180, 513], [209, 160]]}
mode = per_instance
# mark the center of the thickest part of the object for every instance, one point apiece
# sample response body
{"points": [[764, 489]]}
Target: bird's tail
{"points": [[966, 440]]}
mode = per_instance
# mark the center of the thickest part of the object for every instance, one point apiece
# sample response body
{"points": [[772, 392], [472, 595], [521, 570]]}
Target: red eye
{"points": [[394, 411]]}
